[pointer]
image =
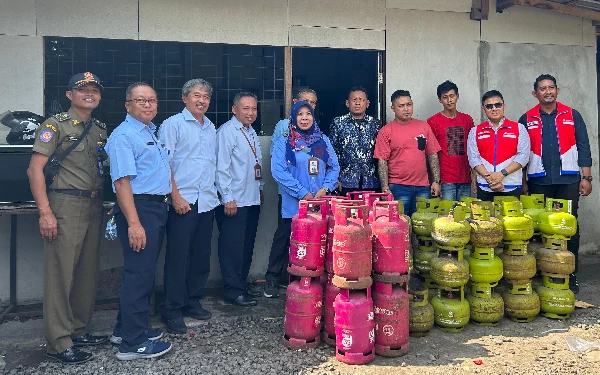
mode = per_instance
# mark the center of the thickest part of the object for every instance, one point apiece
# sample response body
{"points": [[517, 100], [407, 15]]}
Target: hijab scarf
{"points": [[309, 140]]}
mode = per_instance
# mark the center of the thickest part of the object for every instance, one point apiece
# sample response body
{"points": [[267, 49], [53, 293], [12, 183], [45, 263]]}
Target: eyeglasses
{"points": [[142, 101], [494, 105]]}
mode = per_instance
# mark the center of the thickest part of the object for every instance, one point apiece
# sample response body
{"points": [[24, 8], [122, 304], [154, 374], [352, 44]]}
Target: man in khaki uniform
{"points": [[70, 219]]}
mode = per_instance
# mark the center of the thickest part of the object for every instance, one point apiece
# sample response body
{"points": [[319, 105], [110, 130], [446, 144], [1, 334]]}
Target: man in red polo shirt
{"points": [[403, 149], [498, 150], [451, 129]]}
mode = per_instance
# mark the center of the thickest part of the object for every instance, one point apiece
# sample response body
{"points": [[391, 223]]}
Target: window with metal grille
{"points": [[166, 66]]}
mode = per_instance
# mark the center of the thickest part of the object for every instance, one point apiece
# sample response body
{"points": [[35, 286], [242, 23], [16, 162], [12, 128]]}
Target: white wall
{"points": [[425, 48]]}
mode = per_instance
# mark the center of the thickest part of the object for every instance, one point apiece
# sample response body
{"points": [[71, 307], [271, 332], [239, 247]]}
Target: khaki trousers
{"points": [[71, 269]]}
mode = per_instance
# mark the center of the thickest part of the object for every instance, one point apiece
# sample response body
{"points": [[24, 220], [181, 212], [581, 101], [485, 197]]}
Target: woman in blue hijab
{"points": [[305, 166]]}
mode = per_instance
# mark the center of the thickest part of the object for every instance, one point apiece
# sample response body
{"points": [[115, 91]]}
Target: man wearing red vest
{"points": [[560, 149], [498, 149]]}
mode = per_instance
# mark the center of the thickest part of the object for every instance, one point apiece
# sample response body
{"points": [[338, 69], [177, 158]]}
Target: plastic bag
{"points": [[576, 344], [111, 229]]}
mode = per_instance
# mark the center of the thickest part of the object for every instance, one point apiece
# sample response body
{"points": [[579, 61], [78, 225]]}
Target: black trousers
{"points": [[139, 269], [564, 191], [489, 195], [236, 247], [280, 248], [187, 259]]}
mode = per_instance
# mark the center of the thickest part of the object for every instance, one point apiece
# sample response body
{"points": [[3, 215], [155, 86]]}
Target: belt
{"points": [[79, 193], [152, 197]]}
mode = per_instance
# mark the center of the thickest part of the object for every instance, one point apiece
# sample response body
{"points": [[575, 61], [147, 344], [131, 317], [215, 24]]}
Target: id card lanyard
{"points": [[257, 170]]}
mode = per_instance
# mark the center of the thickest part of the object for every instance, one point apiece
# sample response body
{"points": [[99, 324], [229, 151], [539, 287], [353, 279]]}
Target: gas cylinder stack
{"points": [[304, 296], [521, 303], [391, 248], [422, 225], [352, 265], [487, 306], [450, 270], [331, 291], [533, 205], [555, 262]]}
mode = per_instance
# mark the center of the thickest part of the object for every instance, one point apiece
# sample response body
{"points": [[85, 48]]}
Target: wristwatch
{"points": [[504, 172], [438, 181], [589, 178], [326, 189]]}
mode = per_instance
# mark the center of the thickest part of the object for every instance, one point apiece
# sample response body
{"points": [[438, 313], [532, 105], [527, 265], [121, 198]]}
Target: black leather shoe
{"points": [[71, 356], [175, 325], [250, 292], [574, 284], [199, 313], [243, 300], [88, 339]]}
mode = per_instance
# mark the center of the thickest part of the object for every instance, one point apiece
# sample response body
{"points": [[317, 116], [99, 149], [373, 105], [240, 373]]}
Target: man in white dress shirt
{"points": [[191, 139], [240, 185]]}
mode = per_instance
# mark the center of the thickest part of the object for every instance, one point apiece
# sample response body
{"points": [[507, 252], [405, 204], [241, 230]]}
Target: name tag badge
{"points": [[150, 143], [313, 166], [257, 172]]}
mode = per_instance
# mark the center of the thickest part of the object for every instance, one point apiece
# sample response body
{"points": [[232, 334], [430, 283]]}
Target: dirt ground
{"points": [[249, 342]]}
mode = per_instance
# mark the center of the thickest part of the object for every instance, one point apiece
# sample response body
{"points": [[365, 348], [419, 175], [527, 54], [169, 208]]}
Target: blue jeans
{"points": [[453, 192], [408, 195]]}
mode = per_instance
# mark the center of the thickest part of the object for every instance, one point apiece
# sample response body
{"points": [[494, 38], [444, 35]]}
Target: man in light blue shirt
{"points": [[141, 176], [191, 139], [281, 238], [240, 185]]}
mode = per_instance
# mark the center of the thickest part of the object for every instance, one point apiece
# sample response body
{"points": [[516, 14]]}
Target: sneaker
{"points": [[197, 312], [271, 290], [148, 349], [152, 335], [176, 325], [71, 356]]}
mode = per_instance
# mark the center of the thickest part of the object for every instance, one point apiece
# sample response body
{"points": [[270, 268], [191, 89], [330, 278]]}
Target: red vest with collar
{"points": [[567, 143], [497, 148]]}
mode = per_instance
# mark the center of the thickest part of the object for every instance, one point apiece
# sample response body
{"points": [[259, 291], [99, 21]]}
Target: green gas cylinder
{"points": [[484, 266], [499, 204], [427, 212], [467, 202], [556, 301], [422, 260], [449, 269], [518, 267], [557, 220], [421, 313], [452, 231], [533, 205], [521, 303], [517, 225], [486, 311], [486, 230], [451, 309], [555, 261], [445, 207]]}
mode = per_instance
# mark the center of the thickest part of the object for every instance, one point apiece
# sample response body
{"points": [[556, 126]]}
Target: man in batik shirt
{"points": [[353, 138]]}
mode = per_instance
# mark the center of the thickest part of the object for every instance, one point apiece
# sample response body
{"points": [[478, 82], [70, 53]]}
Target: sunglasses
{"points": [[494, 105]]}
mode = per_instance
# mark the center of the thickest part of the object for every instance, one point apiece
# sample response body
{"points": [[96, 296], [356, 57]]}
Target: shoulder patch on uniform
{"points": [[46, 135], [64, 116], [100, 124], [52, 127]]}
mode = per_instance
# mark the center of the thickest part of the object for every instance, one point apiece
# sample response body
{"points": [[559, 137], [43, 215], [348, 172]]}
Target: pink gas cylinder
{"points": [[303, 305], [358, 195], [352, 248], [391, 243], [333, 202], [354, 327], [371, 198], [308, 241], [392, 316], [331, 292]]}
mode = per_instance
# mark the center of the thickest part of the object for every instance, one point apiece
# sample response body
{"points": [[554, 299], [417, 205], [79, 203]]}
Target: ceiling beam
{"points": [[549, 5], [480, 10]]}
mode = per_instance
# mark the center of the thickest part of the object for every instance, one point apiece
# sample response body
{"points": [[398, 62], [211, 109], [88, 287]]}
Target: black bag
{"points": [[51, 167]]}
